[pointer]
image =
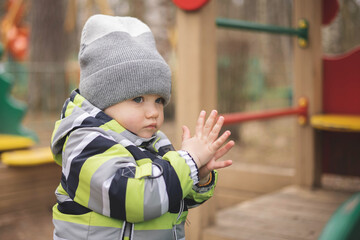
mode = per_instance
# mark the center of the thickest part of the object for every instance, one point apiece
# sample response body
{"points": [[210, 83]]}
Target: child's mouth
{"points": [[152, 126]]}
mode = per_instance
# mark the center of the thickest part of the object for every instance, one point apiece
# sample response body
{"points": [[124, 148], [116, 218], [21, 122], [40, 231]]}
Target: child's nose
{"points": [[152, 111]]}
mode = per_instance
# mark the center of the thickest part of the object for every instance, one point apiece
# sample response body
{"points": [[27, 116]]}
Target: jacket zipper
{"points": [[178, 217], [127, 231]]}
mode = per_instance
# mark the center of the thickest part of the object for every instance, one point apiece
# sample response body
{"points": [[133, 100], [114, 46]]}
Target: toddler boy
{"points": [[121, 177]]}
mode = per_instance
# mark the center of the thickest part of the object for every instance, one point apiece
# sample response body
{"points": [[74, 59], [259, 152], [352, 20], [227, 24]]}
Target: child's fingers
{"points": [[224, 150], [221, 164], [209, 124], [221, 140], [200, 124], [212, 165], [186, 133], [216, 129]]}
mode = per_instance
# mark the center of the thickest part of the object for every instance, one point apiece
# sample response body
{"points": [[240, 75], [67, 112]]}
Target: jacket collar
{"points": [[104, 119]]}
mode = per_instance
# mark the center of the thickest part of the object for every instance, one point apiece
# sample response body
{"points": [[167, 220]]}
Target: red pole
{"points": [[301, 110]]}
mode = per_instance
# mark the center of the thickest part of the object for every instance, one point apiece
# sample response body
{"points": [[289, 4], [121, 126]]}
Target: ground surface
{"points": [[289, 214]]}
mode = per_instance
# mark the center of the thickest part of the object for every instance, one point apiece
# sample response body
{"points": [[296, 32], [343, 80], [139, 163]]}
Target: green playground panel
{"points": [[11, 110], [345, 222]]}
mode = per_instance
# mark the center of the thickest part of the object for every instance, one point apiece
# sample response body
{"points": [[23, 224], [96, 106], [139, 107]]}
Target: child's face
{"points": [[142, 115]]}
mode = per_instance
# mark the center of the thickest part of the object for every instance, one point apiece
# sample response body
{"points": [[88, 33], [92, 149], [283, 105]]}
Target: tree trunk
{"points": [[48, 52]]}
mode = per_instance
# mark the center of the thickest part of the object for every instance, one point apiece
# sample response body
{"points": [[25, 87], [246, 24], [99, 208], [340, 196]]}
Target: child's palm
{"points": [[206, 145]]}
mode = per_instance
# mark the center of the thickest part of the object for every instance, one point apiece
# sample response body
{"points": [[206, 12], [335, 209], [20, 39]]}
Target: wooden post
{"points": [[196, 86], [308, 83]]}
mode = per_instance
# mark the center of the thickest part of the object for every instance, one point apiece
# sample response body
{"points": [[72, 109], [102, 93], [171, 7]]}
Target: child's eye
{"points": [[160, 100], [138, 99]]}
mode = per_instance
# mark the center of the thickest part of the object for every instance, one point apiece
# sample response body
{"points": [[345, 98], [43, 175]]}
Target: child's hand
{"points": [[213, 164], [206, 146]]}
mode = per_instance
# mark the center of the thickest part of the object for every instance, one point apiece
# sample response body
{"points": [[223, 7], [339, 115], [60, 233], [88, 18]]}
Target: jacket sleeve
{"points": [[199, 194], [102, 175]]}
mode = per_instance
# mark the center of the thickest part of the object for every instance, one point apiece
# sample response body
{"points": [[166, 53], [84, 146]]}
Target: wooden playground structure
{"points": [[274, 204], [325, 116]]}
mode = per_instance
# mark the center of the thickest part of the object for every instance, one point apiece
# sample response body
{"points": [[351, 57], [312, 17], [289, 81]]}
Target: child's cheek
{"points": [[132, 121]]}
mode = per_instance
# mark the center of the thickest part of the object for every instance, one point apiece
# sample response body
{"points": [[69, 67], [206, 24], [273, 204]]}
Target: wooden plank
{"points": [[274, 226], [255, 178], [276, 207], [239, 233], [196, 75], [28, 188], [291, 213], [196, 86], [296, 205], [39, 197], [267, 214], [323, 195], [251, 181], [26, 198], [25, 225], [308, 83], [227, 197], [13, 179], [21, 175]]}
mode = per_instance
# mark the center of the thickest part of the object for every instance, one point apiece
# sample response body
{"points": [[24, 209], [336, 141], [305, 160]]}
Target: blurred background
{"points": [[255, 72]]}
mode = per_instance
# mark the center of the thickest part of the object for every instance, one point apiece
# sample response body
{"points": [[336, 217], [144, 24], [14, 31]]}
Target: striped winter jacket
{"points": [[116, 185]]}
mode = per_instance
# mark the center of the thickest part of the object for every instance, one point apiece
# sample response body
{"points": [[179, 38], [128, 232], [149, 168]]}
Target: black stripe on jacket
{"points": [[173, 186], [96, 146], [117, 195]]}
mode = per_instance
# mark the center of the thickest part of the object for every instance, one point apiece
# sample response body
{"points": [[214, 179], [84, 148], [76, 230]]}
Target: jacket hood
{"points": [[78, 113]]}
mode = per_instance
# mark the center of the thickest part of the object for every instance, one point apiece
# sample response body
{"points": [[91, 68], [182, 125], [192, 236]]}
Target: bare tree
{"points": [[48, 52], [276, 49]]}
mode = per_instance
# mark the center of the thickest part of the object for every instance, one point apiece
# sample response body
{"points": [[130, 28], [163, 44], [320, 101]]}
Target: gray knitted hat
{"points": [[119, 61]]}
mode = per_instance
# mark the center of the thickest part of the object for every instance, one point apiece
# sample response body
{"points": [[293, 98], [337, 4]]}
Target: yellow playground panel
{"points": [[333, 122], [28, 157], [12, 142]]}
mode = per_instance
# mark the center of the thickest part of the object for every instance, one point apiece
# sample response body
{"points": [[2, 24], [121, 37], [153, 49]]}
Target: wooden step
{"points": [[28, 188], [243, 181], [291, 213], [26, 198]]}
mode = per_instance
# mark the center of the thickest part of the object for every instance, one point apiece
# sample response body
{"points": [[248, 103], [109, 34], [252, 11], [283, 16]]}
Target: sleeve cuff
{"points": [[205, 187], [191, 163], [208, 182]]}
